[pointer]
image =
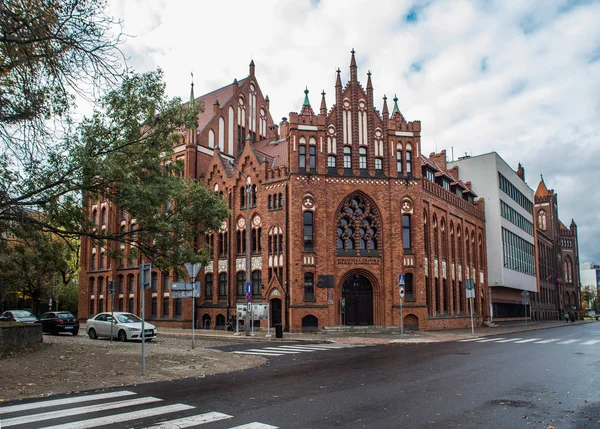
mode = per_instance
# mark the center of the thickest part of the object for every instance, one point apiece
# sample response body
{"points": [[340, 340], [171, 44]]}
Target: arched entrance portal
{"points": [[358, 296]]}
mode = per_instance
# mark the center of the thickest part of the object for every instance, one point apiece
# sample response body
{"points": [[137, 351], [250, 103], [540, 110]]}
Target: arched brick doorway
{"points": [[275, 311], [358, 296]]}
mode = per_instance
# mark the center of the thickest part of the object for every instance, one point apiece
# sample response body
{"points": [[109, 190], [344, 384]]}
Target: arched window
{"points": [[222, 285], [331, 161], [95, 217], [399, 158], [444, 239], [256, 282], [347, 157], [100, 285], [436, 238], [312, 157], [302, 156], [408, 160], [408, 284], [92, 261], [208, 286], [309, 287], [222, 133], [254, 195], [131, 283], [358, 224], [240, 282], [102, 260], [406, 236], [154, 283], [211, 138], [426, 234], [542, 220], [308, 231], [280, 201], [378, 164], [242, 197], [269, 203], [362, 158], [91, 286], [120, 284], [103, 216]]}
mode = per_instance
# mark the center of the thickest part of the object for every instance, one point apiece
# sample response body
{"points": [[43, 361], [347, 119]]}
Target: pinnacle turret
{"points": [[323, 109], [353, 74]]}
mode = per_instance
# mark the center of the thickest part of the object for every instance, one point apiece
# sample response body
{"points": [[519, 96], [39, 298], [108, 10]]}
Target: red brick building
{"points": [[341, 202], [558, 260]]}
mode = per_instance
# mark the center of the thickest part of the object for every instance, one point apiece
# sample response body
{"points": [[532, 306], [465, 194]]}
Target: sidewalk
{"points": [[376, 335]]}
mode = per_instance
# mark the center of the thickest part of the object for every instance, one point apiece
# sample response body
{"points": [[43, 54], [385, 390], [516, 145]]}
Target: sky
{"points": [[521, 78]]}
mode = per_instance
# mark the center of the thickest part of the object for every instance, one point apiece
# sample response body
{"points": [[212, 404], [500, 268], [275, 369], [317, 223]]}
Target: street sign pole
{"points": [[144, 276], [471, 305], [524, 296], [401, 284], [193, 270], [111, 291], [268, 322]]}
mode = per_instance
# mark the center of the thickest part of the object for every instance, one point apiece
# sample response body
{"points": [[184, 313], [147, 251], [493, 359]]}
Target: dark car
{"points": [[54, 322], [18, 316]]}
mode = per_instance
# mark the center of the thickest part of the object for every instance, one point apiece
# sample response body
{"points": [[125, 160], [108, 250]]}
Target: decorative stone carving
{"points": [[209, 268], [240, 264], [256, 262], [222, 265], [256, 221], [275, 292], [444, 269], [241, 223]]}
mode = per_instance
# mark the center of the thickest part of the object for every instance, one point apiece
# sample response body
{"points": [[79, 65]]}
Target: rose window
{"points": [[358, 226]]}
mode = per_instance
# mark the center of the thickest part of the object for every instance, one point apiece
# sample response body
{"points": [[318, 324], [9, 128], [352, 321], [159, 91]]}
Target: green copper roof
{"points": [[306, 102], [395, 105]]}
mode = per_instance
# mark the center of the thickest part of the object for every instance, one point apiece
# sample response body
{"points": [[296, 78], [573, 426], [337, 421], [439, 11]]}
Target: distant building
{"points": [[342, 202], [558, 259], [510, 234], [590, 275]]}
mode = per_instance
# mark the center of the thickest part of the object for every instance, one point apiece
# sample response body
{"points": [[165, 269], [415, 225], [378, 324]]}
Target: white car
{"points": [[125, 327]]}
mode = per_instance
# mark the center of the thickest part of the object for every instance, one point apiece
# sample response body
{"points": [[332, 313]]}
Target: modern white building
{"points": [[590, 275], [510, 232]]}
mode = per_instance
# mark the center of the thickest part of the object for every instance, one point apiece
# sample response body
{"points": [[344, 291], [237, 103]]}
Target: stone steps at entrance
{"points": [[370, 329]]}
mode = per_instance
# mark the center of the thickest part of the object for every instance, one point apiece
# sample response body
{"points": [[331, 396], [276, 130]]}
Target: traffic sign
{"points": [[248, 287], [249, 297], [401, 292], [401, 281]]}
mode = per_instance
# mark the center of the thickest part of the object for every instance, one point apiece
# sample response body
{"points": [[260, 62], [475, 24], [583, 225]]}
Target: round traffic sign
{"points": [[401, 292]]}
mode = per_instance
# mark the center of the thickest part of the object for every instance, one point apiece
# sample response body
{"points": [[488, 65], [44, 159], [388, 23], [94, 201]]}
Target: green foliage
{"points": [[589, 295]]}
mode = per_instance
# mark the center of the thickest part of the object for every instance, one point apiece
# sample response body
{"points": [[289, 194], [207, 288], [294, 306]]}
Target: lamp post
{"points": [[248, 250]]}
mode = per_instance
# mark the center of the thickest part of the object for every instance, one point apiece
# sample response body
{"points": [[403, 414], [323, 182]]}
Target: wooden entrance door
{"points": [[358, 294], [275, 311]]}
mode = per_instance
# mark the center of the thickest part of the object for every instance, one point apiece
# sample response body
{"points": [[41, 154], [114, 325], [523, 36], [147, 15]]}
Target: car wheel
{"points": [[122, 336], [92, 334]]}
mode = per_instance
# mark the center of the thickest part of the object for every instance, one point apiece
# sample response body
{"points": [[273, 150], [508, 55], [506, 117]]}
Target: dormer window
{"points": [[446, 185], [429, 175]]}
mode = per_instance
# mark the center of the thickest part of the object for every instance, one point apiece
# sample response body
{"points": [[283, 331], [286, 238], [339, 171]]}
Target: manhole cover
{"points": [[516, 403]]}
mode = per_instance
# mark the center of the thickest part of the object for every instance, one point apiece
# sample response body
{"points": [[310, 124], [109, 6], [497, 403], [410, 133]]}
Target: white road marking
{"points": [[255, 425], [65, 401], [469, 339], [509, 340], [123, 417], [277, 349], [591, 342], [568, 341], [527, 341], [487, 340], [186, 422], [304, 349], [30, 418], [548, 341], [260, 353]]}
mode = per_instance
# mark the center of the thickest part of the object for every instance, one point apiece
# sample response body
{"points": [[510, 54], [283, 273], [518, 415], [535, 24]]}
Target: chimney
{"points": [[521, 172], [273, 132], [284, 127], [216, 107]]}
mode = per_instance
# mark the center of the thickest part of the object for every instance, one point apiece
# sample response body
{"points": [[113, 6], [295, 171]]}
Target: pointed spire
{"points": [[385, 111], [251, 67], [338, 79], [306, 108], [353, 75], [369, 84], [396, 109], [542, 190], [192, 98], [323, 110], [306, 102]]}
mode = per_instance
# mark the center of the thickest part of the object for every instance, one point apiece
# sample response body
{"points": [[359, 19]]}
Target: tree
{"points": [[122, 153], [589, 295]]}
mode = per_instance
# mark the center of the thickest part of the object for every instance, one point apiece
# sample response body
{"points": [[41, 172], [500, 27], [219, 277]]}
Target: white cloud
{"points": [[510, 76]]}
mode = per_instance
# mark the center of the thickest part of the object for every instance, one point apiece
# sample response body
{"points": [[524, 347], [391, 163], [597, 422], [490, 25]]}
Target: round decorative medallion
{"points": [[331, 130], [308, 203], [256, 220], [406, 206], [241, 223], [346, 103], [224, 226]]}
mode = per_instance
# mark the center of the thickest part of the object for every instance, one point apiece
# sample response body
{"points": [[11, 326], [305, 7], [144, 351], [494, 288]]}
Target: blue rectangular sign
{"points": [[248, 287]]}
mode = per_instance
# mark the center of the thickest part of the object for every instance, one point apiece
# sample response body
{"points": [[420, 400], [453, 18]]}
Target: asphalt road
{"points": [[534, 379]]}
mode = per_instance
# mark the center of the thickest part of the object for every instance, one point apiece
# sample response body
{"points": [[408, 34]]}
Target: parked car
{"points": [[125, 327], [18, 316], [54, 322]]}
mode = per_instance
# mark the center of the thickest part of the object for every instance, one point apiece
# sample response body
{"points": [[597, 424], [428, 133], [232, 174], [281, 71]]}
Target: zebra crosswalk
{"points": [[94, 410], [578, 341], [295, 349]]}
